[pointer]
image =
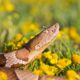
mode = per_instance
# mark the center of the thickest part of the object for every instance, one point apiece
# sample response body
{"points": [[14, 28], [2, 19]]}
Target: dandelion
{"points": [[18, 37], [76, 58], [72, 75], [54, 59], [19, 44], [61, 33], [64, 33], [3, 76], [49, 70], [47, 55], [34, 27], [74, 35], [29, 27], [62, 63], [37, 72], [8, 6], [22, 42]]}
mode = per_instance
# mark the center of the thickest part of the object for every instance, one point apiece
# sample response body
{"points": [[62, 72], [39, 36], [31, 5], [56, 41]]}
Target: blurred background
{"points": [[29, 17]]}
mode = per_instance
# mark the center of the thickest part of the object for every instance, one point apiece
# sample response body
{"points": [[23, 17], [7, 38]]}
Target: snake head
{"points": [[43, 40], [38, 44]]}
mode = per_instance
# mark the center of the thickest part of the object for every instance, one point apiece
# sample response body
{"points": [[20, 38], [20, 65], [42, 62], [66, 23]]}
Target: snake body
{"points": [[25, 55]]}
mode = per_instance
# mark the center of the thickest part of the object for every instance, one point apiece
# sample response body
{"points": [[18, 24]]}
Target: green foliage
{"points": [[34, 65]]}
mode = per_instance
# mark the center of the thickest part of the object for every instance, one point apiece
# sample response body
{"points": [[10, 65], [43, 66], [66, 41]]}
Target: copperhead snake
{"points": [[30, 51]]}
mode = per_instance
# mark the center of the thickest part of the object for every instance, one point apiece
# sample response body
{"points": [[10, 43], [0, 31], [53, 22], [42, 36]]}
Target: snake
{"points": [[9, 62]]}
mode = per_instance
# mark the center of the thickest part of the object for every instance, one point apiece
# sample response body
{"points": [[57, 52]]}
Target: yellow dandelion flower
{"points": [[43, 66], [19, 44], [61, 33], [3, 76], [47, 55], [64, 33], [37, 72], [54, 58], [49, 70], [71, 74], [66, 29], [18, 37], [74, 35], [76, 58], [25, 27], [8, 6], [29, 27], [34, 27], [62, 63]]}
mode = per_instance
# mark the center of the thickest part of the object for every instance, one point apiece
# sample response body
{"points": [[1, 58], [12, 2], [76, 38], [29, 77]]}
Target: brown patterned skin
{"points": [[20, 53], [32, 49]]}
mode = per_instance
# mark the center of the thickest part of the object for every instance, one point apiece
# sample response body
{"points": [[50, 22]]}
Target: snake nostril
{"points": [[53, 30]]}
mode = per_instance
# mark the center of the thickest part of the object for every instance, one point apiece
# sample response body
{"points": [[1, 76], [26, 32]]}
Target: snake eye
{"points": [[52, 30]]}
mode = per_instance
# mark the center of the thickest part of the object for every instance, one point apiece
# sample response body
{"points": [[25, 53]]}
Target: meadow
{"points": [[21, 20]]}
